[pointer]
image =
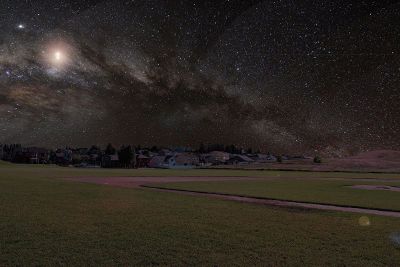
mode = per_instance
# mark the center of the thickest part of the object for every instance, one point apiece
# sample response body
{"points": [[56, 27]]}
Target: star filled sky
{"points": [[282, 76]]}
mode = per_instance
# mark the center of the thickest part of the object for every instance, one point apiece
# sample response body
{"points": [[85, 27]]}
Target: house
{"points": [[95, 155], [165, 152], [17, 154], [63, 156], [80, 156], [110, 161], [156, 162], [181, 161], [187, 159], [11, 152], [36, 155], [239, 159], [262, 158], [271, 158], [142, 161], [215, 158], [169, 162], [175, 161]]}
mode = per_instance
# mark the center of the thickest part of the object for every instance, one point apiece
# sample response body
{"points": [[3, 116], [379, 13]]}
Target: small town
{"points": [[137, 157]]}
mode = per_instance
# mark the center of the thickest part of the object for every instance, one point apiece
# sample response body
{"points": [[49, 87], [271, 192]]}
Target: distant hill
{"points": [[371, 160], [385, 155]]}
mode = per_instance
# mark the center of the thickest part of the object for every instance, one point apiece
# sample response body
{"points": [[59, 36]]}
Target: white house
{"points": [[180, 161]]}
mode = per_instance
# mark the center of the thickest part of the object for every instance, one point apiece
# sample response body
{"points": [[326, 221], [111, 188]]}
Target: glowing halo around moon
{"points": [[58, 55]]}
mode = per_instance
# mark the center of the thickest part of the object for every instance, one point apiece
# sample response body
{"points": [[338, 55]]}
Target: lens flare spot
{"points": [[364, 221]]}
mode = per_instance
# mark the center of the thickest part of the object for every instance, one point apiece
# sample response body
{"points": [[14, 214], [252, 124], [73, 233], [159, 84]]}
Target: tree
{"points": [[154, 149], [232, 149], [93, 149], [127, 157], [216, 147], [279, 159], [202, 148], [110, 150]]}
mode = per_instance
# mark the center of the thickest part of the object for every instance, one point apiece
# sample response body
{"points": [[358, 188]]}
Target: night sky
{"points": [[282, 76]]}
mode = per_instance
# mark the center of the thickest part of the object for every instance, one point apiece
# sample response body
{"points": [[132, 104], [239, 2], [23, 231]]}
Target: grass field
{"points": [[51, 171], [315, 191], [49, 221]]}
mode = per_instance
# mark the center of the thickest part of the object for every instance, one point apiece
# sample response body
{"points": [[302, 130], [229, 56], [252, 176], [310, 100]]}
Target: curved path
{"points": [[137, 181], [145, 182]]}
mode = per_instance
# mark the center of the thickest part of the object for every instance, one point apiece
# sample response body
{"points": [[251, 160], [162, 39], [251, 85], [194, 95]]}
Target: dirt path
{"points": [[145, 182], [279, 203], [138, 181], [141, 180]]}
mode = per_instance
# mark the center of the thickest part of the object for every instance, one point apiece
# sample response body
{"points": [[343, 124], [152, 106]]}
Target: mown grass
{"points": [[47, 221], [315, 191], [52, 171]]}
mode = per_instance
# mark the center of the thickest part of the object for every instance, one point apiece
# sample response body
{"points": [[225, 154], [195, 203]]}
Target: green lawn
{"points": [[48, 221], [316, 191], [52, 171]]}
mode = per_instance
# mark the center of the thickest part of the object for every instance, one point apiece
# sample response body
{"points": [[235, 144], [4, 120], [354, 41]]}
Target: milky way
{"points": [[282, 76]]}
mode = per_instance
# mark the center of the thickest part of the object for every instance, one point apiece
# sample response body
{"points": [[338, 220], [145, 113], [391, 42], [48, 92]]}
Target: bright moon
{"points": [[58, 56]]}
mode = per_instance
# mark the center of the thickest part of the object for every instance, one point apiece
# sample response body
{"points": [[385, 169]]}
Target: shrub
{"points": [[317, 159]]}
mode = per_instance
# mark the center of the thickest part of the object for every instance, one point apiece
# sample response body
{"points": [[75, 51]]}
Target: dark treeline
{"points": [[232, 149]]}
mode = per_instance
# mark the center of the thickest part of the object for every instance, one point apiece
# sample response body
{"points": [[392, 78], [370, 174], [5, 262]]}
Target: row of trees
{"points": [[126, 155], [232, 149]]}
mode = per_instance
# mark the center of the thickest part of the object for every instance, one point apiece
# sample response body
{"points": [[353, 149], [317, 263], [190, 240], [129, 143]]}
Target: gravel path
{"points": [[138, 181], [377, 187]]}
